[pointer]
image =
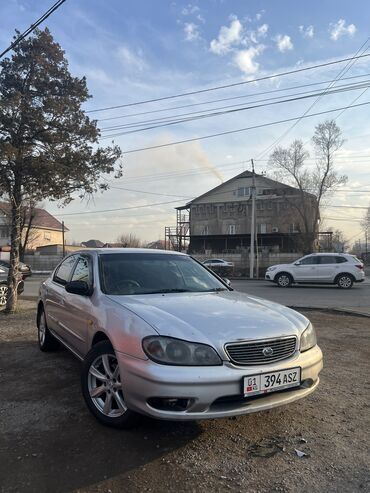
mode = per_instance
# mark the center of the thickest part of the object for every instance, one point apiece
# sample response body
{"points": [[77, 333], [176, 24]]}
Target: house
{"points": [[45, 229], [92, 244], [220, 220]]}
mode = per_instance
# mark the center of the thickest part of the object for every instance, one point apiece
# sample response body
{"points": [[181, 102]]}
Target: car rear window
{"points": [[340, 260]]}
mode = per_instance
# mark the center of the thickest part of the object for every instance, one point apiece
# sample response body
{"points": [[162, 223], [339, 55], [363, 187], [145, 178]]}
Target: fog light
{"points": [[169, 403]]}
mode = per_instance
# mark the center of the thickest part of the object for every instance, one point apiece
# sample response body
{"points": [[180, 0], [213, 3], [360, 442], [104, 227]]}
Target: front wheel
{"points": [[102, 387], [3, 294], [284, 280], [345, 281]]}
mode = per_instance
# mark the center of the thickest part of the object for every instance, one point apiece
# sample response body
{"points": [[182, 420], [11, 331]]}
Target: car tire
{"points": [[344, 281], [284, 280], [102, 388], [3, 294], [46, 340]]}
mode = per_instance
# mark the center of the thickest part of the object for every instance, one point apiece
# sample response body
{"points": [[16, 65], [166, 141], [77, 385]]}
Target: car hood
{"points": [[282, 266], [214, 318]]}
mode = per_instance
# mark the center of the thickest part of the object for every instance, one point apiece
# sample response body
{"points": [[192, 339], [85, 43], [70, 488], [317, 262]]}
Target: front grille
{"points": [[252, 353]]}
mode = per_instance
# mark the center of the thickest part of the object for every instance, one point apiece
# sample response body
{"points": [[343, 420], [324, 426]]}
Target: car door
{"points": [[55, 293], [305, 269], [77, 313], [327, 268]]}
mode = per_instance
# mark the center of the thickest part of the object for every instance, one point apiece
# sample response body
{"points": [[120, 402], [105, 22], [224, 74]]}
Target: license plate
{"points": [[270, 382]]}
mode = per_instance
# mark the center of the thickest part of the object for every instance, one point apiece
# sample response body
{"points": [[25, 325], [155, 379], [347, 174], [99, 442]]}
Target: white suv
{"points": [[328, 268]]}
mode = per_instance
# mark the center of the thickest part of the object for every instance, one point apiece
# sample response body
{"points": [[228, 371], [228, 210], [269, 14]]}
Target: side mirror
{"points": [[226, 281], [297, 263], [78, 287]]}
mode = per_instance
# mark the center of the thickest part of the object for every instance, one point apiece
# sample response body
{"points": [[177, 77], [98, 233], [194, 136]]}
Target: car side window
{"points": [[309, 261], [327, 259], [340, 260], [63, 273], [82, 271]]}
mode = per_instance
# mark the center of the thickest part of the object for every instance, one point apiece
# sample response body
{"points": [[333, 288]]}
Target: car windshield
{"points": [[148, 273]]}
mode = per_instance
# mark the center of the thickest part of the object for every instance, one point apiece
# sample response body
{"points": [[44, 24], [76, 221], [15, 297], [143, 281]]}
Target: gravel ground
{"points": [[50, 443]]}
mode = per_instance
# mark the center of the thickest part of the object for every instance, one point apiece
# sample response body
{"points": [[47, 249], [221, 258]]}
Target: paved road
{"points": [[316, 296]]}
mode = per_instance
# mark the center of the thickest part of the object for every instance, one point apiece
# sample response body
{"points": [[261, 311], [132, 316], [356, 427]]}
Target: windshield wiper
{"points": [[216, 290], [175, 290]]}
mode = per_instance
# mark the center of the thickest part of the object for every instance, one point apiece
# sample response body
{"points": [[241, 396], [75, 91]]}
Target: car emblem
{"points": [[267, 351]]}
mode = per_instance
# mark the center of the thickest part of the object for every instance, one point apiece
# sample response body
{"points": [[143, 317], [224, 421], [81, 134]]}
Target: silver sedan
{"points": [[161, 335]]}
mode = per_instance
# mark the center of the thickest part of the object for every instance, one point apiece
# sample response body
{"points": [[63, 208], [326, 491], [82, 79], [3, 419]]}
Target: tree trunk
{"points": [[15, 241]]}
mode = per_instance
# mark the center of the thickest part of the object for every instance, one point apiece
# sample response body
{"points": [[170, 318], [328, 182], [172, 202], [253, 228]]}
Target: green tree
{"points": [[48, 146]]}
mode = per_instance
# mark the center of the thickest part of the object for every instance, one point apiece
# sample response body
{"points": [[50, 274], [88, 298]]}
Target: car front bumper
{"points": [[213, 392]]}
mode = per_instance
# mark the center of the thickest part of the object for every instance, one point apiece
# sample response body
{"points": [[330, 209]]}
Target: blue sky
{"points": [[134, 51]]}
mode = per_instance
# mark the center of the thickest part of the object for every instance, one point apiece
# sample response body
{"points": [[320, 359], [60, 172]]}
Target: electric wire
{"points": [[32, 27], [226, 86], [229, 132]]}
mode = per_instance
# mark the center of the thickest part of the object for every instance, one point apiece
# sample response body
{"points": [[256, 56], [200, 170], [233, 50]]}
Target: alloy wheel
{"points": [[3, 295], [345, 282], [284, 281], [42, 329], [105, 387]]}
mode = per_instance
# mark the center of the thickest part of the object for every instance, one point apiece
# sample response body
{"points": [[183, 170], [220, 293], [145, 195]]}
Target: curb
{"points": [[341, 311]]}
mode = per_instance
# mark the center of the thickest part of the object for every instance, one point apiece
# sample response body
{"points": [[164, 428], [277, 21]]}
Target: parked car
{"points": [[218, 262], [160, 335], [24, 269], [327, 268], [4, 285]]}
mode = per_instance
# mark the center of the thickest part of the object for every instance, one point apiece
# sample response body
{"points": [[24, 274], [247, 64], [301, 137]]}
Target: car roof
{"points": [[103, 251], [332, 253]]}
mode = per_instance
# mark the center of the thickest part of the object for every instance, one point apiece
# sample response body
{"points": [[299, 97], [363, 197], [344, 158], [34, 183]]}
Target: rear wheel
{"points": [[345, 281], [3, 294], [46, 340], [102, 388], [284, 280]]}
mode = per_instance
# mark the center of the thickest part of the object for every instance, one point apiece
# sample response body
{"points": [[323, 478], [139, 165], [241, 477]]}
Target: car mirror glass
{"points": [[78, 287]]}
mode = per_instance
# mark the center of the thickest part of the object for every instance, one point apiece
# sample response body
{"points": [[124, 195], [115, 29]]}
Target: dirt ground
{"points": [[50, 443]]}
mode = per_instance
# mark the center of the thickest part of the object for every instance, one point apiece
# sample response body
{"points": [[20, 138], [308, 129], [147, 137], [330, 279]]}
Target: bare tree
{"points": [[365, 223], [313, 185], [129, 240]]}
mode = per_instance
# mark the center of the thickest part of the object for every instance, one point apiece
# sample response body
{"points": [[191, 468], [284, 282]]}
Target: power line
{"points": [[219, 113], [338, 77], [170, 120], [33, 26], [119, 209], [171, 108], [229, 132], [226, 86], [151, 193]]}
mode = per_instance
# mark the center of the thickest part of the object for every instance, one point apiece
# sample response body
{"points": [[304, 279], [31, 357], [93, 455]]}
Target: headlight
{"points": [[171, 351], [273, 267], [308, 338]]}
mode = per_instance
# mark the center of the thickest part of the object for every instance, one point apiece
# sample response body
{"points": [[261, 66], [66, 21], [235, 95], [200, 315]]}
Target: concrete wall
{"points": [[241, 262]]}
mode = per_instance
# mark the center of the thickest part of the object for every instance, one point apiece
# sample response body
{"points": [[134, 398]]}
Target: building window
{"points": [[231, 229], [260, 205], [47, 236], [293, 228], [262, 228], [269, 205], [205, 230], [243, 192]]}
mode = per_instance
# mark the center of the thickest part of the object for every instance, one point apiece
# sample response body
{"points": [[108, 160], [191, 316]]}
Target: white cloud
{"points": [[190, 9], [245, 59], [227, 37], [131, 59], [307, 32], [262, 30], [191, 31], [284, 43], [339, 29], [260, 14]]}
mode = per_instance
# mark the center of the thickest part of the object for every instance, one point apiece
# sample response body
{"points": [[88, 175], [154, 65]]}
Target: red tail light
{"points": [[360, 266]]}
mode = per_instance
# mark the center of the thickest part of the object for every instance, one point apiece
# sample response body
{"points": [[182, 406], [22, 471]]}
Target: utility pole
{"points": [[253, 224], [63, 247]]}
